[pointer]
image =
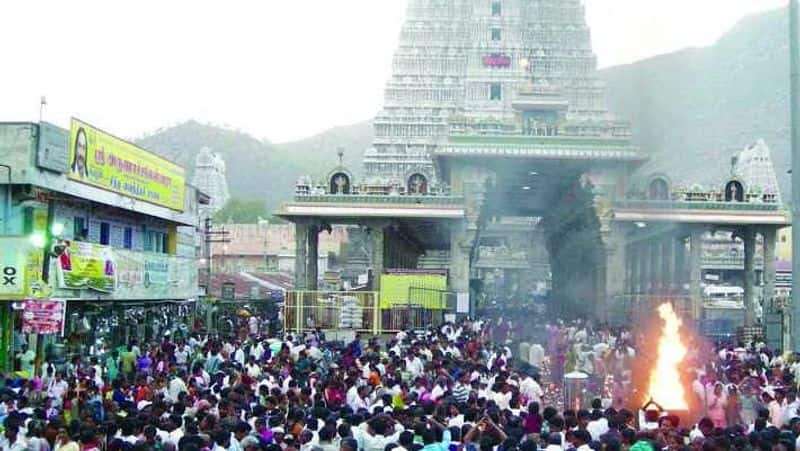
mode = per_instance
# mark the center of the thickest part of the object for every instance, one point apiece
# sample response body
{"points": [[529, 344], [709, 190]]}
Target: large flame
{"points": [[665, 379]]}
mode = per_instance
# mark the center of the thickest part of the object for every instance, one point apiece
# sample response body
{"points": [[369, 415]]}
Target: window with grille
{"points": [[497, 8], [496, 91], [127, 238], [496, 34], [105, 233]]}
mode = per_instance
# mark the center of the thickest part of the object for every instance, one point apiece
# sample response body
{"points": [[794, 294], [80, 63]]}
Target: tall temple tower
{"points": [[472, 58], [210, 177]]}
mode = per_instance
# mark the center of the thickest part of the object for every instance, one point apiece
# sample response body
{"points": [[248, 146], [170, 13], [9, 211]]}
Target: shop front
{"points": [[109, 296]]}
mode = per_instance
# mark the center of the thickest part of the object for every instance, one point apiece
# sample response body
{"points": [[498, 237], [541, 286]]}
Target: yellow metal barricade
{"points": [[353, 310], [358, 311]]}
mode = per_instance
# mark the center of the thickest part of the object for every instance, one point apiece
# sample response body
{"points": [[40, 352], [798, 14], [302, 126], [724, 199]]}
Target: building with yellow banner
{"points": [[98, 222]]}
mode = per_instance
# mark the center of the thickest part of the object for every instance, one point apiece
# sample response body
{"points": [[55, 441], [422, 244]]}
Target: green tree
{"points": [[242, 211]]}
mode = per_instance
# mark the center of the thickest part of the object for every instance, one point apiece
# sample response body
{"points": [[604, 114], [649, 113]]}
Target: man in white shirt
{"points": [[257, 351], [531, 390], [598, 426], [177, 386], [182, 355], [375, 435], [238, 355], [439, 389], [252, 368], [502, 398], [355, 397], [13, 440], [58, 387], [414, 365]]}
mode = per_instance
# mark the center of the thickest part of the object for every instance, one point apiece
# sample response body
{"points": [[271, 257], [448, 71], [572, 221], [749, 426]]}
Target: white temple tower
{"points": [[470, 58], [210, 177]]}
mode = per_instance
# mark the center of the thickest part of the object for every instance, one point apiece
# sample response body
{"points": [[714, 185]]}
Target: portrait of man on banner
{"points": [[78, 165]]}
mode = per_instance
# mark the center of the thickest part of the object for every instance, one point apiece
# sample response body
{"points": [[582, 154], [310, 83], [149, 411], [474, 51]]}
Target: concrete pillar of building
{"points": [[749, 238], [628, 271], [668, 273], [657, 260], [770, 241], [313, 258], [378, 236], [696, 272], [301, 256], [636, 270], [459, 261], [644, 268], [611, 274], [679, 267]]}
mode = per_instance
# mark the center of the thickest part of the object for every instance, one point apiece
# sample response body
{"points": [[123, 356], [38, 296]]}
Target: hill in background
{"points": [[693, 109], [260, 169]]}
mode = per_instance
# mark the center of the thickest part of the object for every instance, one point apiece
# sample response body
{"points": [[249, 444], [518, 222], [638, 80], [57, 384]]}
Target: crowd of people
{"points": [[469, 386]]}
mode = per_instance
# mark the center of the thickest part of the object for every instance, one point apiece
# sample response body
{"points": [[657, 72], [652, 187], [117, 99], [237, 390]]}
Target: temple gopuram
{"points": [[497, 176]]}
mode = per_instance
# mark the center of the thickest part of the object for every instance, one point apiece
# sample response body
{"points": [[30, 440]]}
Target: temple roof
{"points": [[752, 166]]}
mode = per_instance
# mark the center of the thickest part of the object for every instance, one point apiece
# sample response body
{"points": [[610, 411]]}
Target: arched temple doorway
{"points": [[658, 189], [417, 184], [340, 183], [734, 191]]}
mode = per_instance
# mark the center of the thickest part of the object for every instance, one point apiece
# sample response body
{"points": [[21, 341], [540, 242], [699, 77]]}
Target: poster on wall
{"points": [[105, 161], [43, 317], [84, 265]]}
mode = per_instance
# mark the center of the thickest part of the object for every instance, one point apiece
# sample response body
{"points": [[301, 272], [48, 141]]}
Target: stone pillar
{"points": [[644, 271], [628, 270], [301, 256], [611, 273], [770, 236], [696, 273], [679, 267], [459, 260], [657, 260], [668, 265], [635, 258], [749, 238], [313, 258], [377, 234]]}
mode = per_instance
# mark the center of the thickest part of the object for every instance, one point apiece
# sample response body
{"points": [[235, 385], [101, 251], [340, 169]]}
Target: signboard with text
{"points": [[105, 161], [14, 253], [43, 317], [142, 275], [86, 266]]}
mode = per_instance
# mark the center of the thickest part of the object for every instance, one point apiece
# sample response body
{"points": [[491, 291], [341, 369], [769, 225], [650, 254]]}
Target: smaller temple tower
{"points": [[210, 177]]}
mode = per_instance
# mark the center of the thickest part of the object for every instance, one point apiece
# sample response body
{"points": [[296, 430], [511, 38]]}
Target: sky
{"points": [[278, 70]]}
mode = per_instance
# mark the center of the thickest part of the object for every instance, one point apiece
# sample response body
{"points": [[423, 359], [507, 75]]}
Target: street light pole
{"points": [[794, 47]]}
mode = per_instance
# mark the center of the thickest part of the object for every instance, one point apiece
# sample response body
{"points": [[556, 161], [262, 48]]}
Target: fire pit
{"points": [[666, 394]]}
